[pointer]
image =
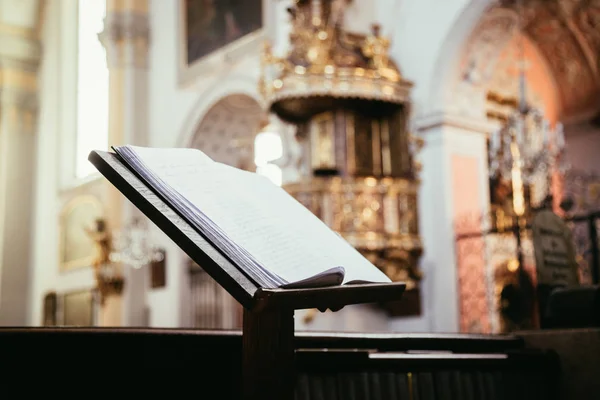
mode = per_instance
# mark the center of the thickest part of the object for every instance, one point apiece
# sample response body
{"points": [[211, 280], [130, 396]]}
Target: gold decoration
{"points": [[109, 278], [376, 216], [325, 60], [351, 108], [322, 141], [376, 47]]}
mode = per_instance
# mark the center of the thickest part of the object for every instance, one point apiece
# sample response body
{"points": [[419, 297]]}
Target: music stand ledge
{"points": [[268, 326]]}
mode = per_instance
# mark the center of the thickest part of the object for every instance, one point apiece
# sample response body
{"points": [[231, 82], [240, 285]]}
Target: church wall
{"points": [[56, 144], [426, 45], [177, 104]]}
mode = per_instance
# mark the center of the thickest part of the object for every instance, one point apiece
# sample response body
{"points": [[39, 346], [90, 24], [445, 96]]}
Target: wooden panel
{"points": [[333, 298], [212, 361]]}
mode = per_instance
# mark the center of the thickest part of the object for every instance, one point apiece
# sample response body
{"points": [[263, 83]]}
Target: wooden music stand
{"points": [[268, 327]]}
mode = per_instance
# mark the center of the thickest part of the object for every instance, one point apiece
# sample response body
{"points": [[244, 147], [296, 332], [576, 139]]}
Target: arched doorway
{"points": [[225, 133], [560, 46], [237, 132], [564, 35]]}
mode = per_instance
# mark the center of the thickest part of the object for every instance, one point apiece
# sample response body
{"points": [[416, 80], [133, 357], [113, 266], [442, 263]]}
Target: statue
{"points": [[267, 54], [107, 282], [102, 239], [299, 37], [376, 48]]}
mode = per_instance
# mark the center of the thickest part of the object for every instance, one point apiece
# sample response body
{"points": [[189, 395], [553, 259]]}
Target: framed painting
{"points": [[77, 249], [216, 31]]}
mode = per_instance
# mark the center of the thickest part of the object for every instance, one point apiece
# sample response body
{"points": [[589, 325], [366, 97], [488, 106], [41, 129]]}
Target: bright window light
{"points": [[268, 148], [271, 171], [92, 86]]}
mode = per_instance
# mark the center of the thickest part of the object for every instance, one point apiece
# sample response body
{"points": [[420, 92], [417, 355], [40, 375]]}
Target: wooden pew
{"points": [[328, 366]]}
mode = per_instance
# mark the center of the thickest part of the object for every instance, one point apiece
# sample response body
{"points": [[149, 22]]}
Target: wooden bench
{"points": [[327, 366]]}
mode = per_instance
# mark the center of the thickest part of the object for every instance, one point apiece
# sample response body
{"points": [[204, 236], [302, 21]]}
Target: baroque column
{"points": [[20, 53], [125, 38]]}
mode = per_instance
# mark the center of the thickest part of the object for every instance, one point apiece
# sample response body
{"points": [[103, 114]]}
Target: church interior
{"points": [[445, 140]]}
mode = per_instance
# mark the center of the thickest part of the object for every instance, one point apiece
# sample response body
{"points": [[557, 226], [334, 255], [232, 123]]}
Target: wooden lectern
{"points": [[268, 328]]}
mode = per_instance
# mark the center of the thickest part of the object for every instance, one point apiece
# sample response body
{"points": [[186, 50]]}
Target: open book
{"points": [[272, 238]]}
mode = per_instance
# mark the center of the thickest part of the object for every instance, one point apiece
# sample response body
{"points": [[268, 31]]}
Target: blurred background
{"points": [[428, 133]]}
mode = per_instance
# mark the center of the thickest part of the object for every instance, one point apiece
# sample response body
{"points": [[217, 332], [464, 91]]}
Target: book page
{"points": [[262, 218], [311, 240], [179, 165]]}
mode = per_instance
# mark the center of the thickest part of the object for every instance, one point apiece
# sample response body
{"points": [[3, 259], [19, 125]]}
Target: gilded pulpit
{"points": [[350, 106]]}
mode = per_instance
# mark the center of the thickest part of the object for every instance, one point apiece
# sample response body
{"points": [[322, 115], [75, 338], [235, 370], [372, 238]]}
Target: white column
{"points": [[454, 167], [126, 37], [20, 53]]}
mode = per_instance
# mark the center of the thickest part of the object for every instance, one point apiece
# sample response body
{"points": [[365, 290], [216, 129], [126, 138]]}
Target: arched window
{"points": [[92, 86]]}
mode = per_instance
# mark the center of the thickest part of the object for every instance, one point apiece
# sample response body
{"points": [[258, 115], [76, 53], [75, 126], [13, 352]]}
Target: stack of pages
{"points": [[265, 232]]}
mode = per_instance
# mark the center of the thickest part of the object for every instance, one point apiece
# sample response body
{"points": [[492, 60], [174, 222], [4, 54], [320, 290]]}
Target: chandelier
{"points": [[133, 246], [526, 150]]}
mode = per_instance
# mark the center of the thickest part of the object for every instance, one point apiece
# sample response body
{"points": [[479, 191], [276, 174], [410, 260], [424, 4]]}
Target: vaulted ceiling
{"points": [[567, 34]]}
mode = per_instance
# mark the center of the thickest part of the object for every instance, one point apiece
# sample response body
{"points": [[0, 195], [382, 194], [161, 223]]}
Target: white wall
{"points": [[55, 143], [177, 107], [428, 37]]}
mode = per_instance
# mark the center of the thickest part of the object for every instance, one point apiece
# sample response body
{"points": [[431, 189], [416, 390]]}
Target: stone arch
{"points": [[484, 28], [233, 85], [227, 130], [447, 63]]}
